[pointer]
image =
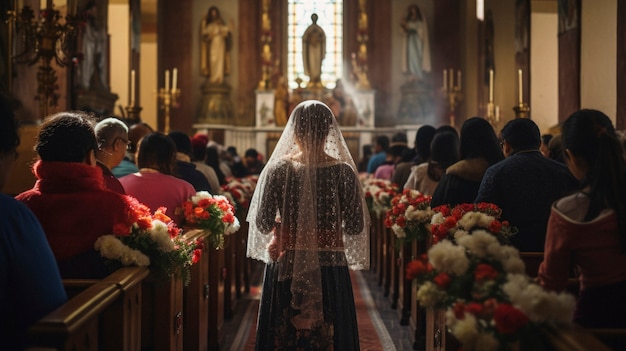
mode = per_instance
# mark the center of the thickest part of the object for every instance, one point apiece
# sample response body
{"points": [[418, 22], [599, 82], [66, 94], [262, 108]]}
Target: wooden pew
{"points": [[216, 298], [162, 314], [573, 339], [103, 316], [405, 298], [196, 299], [230, 288]]}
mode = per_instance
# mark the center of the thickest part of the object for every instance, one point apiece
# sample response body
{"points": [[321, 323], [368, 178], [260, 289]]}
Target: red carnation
{"points": [[415, 268], [442, 280], [484, 272], [509, 319], [144, 223]]}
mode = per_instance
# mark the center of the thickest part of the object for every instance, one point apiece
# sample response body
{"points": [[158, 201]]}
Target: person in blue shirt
{"points": [[380, 153], [30, 283]]}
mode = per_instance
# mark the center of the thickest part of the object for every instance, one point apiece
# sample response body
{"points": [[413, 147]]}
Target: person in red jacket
{"points": [[70, 199]]}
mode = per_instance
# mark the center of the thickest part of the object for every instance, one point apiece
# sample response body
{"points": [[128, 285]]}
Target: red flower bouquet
{"points": [[152, 241], [409, 217], [378, 194], [213, 213], [490, 303]]}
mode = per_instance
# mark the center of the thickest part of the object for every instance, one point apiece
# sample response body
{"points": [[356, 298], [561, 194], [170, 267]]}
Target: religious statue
{"points": [[416, 48], [313, 52], [281, 100], [93, 41], [215, 47]]}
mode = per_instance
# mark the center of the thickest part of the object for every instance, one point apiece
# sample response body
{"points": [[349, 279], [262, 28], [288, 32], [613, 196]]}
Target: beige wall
{"points": [[119, 62], [544, 89], [599, 56]]}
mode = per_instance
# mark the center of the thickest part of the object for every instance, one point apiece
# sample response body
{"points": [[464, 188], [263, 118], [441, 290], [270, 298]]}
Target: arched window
{"points": [[330, 18]]}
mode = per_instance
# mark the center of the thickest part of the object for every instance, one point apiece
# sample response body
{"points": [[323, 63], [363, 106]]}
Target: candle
{"points": [[458, 76], [519, 83], [132, 88], [490, 85], [445, 80], [167, 80], [451, 77], [174, 78]]}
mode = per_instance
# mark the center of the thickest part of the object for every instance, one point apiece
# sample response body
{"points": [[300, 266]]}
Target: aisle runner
{"points": [[373, 335]]}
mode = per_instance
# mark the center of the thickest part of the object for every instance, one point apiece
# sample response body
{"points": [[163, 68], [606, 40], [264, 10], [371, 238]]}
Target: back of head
{"points": [[198, 148], [556, 148], [399, 137], [311, 122], [383, 142], [108, 130], [478, 139], [522, 134], [444, 149], [423, 138], [157, 150], [66, 137], [251, 153], [136, 132], [589, 135], [182, 141]]}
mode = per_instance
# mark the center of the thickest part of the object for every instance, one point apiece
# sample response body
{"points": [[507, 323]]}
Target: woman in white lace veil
{"points": [[309, 224]]}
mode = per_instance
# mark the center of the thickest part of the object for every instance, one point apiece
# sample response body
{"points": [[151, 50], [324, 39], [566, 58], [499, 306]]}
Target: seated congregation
{"points": [[76, 276]]}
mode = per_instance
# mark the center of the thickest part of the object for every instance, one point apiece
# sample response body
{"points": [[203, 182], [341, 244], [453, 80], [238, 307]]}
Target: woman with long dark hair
{"points": [[588, 229], [479, 149]]}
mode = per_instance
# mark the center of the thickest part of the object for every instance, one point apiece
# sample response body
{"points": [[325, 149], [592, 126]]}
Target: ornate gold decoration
{"points": [[452, 93], [359, 59], [267, 64], [41, 39]]}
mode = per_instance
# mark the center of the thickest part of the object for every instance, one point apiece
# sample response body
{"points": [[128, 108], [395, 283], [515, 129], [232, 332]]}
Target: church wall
{"points": [[119, 59], [544, 64], [470, 61], [598, 69], [505, 78]]}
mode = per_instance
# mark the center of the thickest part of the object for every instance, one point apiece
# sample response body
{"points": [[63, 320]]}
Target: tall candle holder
{"points": [[522, 110], [168, 99], [452, 93], [493, 111]]}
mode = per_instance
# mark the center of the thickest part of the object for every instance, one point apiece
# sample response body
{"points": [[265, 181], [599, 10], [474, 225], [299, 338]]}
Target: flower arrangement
{"points": [[378, 194], [409, 217], [452, 223], [240, 190], [490, 303], [213, 213], [152, 241]]}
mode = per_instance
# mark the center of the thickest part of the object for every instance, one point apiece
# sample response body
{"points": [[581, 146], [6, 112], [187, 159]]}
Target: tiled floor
{"points": [[398, 333]]}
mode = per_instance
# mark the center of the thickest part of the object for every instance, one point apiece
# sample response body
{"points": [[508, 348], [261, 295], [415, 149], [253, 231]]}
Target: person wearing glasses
{"points": [[112, 138]]}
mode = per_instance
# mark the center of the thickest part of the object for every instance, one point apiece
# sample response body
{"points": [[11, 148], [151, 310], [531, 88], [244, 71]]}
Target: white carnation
{"points": [[478, 242], [161, 236], [429, 295], [449, 258], [466, 331], [399, 231], [437, 218], [201, 195]]}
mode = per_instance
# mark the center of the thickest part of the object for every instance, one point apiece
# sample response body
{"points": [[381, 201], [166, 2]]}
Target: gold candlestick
{"points": [[453, 95], [522, 110], [168, 99]]}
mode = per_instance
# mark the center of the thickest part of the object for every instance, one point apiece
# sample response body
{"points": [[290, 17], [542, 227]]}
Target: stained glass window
{"points": [[330, 18]]}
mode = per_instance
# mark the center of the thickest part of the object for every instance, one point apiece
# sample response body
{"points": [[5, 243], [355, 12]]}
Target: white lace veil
{"points": [[308, 208]]}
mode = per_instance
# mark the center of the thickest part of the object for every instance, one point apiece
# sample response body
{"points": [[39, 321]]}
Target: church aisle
{"points": [[384, 321]]}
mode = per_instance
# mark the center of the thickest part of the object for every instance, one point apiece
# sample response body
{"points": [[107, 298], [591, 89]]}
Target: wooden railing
{"points": [[130, 310], [103, 316]]}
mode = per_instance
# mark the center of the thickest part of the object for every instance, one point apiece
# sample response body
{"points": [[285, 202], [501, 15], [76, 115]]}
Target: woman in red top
{"points": [[588, 229], [70, 198]]}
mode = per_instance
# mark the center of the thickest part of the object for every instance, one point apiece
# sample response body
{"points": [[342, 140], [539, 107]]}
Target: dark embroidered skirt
{"points": [[339, 330]]}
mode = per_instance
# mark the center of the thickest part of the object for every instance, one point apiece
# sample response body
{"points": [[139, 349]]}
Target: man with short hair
{"points": [[525, 184], [186, 170], [112, 138]]}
